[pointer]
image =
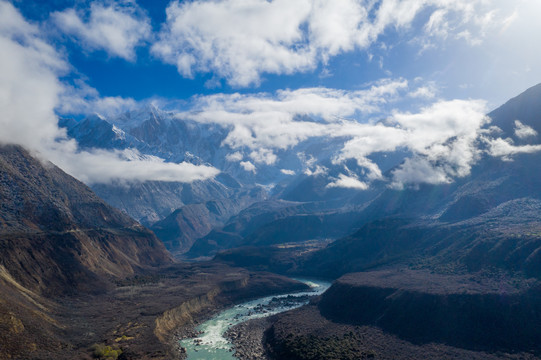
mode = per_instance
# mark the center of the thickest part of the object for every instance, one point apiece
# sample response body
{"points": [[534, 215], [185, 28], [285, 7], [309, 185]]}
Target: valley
{"points": [[270, 180], [465, 254], [80, 279]]}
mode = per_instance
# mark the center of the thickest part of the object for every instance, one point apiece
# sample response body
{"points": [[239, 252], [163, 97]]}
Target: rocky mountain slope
{"points": [[436, 271], [57, 238], [490, 218], [309, 209], [185, 225], [57, 235]]}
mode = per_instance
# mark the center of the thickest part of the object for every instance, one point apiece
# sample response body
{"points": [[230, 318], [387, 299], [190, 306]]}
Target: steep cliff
{"points": [[466, 311]]}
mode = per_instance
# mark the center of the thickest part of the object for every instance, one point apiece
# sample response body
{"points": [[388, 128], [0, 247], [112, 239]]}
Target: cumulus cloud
{"points": [[348, 182], [442, 134], [264, 156], [117, 28], [234, 157], [505, 148], [263, 122], [247, 166], [442, 140], [30, 91], [287, 172], [427, 92], [29, 85], [316, 171], [418, 170], [523, 131], [83, 99], [241, 40]]}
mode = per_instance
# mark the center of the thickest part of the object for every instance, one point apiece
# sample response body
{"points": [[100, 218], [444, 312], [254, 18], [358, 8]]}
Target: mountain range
{"points": [[434, 271], [243, 208]]}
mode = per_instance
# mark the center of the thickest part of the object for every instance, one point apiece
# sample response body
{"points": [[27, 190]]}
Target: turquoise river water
{"points": [[211, 343]]}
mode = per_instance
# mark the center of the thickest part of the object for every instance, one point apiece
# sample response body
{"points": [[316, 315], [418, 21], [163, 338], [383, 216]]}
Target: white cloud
{"points": [[442, 138], [30, 91], [117, 28], [318, 170], [505, 149], [348, 182], [236, 39], [264, 156], [247, 166], [418, 170], [101, 166], [310, 168], [234, 157], [263, 122], [83, 99], [425, 92], [29, 85], [523, 131], [242, 40], [442, 135], [287, 172]]}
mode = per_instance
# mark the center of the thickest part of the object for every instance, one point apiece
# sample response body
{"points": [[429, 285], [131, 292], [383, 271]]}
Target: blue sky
{"points": [[497, 61], [257, 68]]}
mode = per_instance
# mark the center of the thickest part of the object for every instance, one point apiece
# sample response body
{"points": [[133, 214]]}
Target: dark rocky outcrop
{"points": [[304, 334], [412, 314], [471, 312]]}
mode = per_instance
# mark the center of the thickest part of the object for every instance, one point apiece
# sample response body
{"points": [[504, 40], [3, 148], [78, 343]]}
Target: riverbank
{"points": [[213, 339], [248, 339], [140, 316]]}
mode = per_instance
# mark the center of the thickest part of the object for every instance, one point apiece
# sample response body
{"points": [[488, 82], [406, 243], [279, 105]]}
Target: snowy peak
{"points": [[147, 114], [96, 132]]}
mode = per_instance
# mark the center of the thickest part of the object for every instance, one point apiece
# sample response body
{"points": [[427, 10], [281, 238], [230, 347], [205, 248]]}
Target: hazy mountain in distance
{"points": [[488, 219], [151, 131]]}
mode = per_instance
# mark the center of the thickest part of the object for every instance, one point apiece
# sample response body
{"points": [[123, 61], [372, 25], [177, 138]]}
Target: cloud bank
{"points": [[444, 139], [30, 91]]}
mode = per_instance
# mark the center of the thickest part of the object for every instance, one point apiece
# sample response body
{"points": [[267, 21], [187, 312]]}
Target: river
{"points": [[211, 343]]}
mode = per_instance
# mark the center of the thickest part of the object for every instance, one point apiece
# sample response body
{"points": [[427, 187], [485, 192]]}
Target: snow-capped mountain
{"points": [[299, 174], [152, 131]]}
